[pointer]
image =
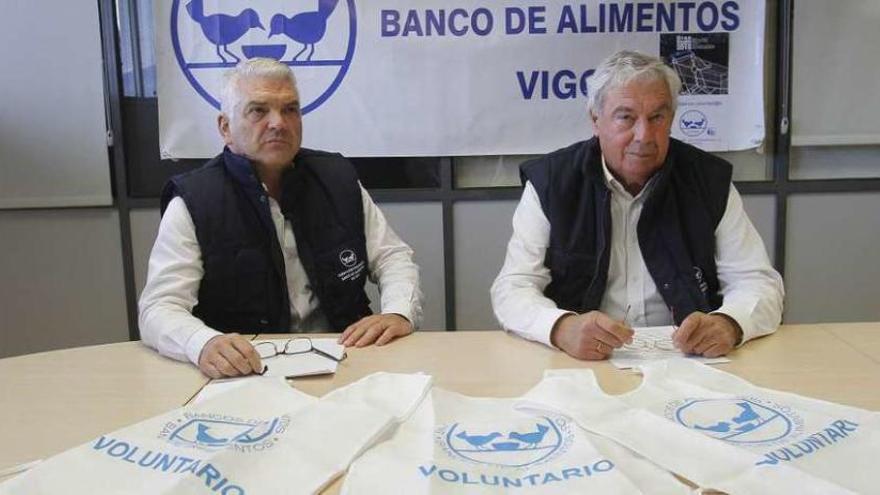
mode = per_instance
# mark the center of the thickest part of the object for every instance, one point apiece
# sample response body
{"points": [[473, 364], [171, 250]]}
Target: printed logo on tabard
{"points": [[749, 421], [316, 39], [216, 431], [520, 443]]}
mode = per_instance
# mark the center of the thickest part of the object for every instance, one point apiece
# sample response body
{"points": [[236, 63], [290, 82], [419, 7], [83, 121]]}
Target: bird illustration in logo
{"points": [[348, 257], [693, 124], [745, 419], [532, 438], [478, 441], [306, 28], [205, 438], [223, 29], [719, 427]]}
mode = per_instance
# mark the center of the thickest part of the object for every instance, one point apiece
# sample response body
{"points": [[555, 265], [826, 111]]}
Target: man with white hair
{"points": [[269, 237], [632, 228]]}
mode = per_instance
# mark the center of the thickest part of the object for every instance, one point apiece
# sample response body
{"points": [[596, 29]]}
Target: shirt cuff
{"points": [[197, 342], [402, 311], [542, 324], [741, 315]]}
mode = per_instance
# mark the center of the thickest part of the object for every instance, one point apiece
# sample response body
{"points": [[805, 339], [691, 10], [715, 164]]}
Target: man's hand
{"points": [[592, 335], [707, 335], [380, 329], [229, 355]]}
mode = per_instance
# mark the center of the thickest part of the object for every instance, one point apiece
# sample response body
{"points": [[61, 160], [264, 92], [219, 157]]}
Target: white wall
{"points": [[53, 144], [832, 267], [61, 282]]}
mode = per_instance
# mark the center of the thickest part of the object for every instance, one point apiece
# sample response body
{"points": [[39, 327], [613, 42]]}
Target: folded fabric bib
{"points": [[467, 445], [263, 437], [722, 432]]}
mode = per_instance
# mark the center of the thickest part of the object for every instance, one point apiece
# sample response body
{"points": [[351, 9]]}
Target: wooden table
{"points": [[56, 400], [863, 337], [52, 401], [812, 360]]}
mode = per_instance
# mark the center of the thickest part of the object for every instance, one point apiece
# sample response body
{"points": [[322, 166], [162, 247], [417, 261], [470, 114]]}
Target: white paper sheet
{"points": [[280, 367], [651, 344], [309, 363]]}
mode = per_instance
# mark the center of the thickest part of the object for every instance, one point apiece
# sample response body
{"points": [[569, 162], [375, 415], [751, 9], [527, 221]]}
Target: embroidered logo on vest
{"points": [[698, 275], [347, 258], [352, 268]]}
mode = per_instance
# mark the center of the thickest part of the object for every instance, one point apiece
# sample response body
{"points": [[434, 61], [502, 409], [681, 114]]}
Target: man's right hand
{"points": [[592, 335], [229, 355]]}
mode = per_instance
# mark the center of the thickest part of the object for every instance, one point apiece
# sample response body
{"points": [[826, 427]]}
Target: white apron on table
{"points": [[467, 445], [263, 437], [722, 432]]}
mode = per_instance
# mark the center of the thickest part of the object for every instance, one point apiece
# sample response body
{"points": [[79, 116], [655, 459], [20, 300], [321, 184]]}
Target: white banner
{"points": [[469, 77]]}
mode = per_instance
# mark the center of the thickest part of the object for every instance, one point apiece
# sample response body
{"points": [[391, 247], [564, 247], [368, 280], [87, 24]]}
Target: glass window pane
{"points": [[749, 165], [488, 171], [834, 162], [123, 25], [835, 73], [398, 172], [146, 38], [503, 171]]}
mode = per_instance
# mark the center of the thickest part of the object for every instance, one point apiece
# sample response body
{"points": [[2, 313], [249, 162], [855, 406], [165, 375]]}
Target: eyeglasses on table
{"points": [[298, 345]]}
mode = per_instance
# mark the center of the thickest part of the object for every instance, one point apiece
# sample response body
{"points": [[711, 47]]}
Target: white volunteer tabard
{"points": [[440, 78], [263, 437], [481, 445], [721, 432]]}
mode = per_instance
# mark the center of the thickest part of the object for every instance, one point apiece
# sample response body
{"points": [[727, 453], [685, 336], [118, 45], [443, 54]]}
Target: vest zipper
{"points": [[603, 241]]}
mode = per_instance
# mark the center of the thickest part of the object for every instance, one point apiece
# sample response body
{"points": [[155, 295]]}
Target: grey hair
{"points": [[624, 67], [255, 68]]}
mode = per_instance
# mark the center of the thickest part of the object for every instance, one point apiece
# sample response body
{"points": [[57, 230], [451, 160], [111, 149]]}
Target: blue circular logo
{"points": [[516, 444], [693, 123], [740, 421], [212, 432], [317, 43]]}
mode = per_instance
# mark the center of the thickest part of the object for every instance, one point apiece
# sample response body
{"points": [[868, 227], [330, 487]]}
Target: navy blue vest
{"points": [[676, 230], [244, 287]]}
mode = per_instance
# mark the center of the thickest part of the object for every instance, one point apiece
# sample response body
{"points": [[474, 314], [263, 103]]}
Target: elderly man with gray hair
{"points": [[269, 237], [632, 228]]}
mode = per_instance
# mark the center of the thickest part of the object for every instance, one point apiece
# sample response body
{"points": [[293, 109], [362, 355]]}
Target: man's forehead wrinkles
{"points": [[652, 107], [274, 99]]}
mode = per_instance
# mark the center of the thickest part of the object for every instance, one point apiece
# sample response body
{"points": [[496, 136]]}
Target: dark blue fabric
{"points": [[245, 287], [676, 230]]}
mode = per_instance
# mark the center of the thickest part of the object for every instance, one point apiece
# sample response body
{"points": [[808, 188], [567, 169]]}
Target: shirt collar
{"points": [[241, 168], [618, 188]]}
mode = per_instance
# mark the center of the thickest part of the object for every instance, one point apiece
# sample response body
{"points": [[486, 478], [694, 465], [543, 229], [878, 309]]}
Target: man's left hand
{"points": [[709, 335], [378, 329]]}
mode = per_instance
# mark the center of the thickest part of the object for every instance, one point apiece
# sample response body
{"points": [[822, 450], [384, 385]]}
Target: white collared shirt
{"points": [[751, 288], [175, 273]]}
